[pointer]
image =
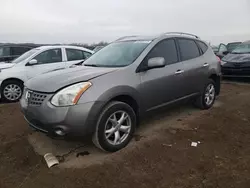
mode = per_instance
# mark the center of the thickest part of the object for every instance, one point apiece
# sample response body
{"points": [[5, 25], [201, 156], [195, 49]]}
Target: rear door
{"points": [[75, 56], [194, 65], [162, 85], [47, 61]]}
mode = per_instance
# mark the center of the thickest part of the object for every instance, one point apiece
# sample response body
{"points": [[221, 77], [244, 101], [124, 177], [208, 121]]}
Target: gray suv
{"points": [[119, 84]]}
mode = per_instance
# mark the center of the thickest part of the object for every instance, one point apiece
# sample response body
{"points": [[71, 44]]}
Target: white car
{"points": [[35, 62]]}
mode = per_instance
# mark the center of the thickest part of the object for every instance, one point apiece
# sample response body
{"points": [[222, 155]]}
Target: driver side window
{"points": [[49, 56], [166, 49]]}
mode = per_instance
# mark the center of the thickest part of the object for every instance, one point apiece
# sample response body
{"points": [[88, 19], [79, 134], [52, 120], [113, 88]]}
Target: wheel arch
{"points": [[124, 94], [12, 79], [217, 80]]}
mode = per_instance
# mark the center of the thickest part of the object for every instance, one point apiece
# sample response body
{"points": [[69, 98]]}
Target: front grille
{"points": [[36, 98]]}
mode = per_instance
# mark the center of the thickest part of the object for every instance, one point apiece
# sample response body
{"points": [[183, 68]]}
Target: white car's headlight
{"points": [[223, 62], [70, 95]]}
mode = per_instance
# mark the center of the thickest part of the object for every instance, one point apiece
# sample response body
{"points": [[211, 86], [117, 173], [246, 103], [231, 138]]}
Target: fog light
{"points": [[59, 132]]}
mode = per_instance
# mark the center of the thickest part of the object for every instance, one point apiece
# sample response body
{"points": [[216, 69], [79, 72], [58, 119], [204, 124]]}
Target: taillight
{"points": [[219, 60]]}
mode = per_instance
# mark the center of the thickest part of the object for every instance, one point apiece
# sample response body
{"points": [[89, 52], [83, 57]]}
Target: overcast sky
{"points": [[87, 21]]}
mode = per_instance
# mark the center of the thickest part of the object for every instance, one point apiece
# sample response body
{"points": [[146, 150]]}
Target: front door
{"points": [[47, 61], [162, 85]]}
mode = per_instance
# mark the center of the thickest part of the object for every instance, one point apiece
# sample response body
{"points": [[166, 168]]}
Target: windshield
{"points": [[232, 46], [118, 54], [242, 49], [24, 56]]}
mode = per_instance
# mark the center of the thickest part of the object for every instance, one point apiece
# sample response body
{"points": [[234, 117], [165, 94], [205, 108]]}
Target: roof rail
{"points": [[181, 33], [125, 37]]}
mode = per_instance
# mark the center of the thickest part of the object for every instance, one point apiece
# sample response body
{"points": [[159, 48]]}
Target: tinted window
{"points": [[166, 49], [73, 54], [203, 46], [4, 51], [49, 56], [19, 50], [188, 49]]}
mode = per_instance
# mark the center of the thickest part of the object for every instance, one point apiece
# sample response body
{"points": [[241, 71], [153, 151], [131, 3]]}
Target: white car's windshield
{"points": [[117, 54], [243, 48], [24, 56]]}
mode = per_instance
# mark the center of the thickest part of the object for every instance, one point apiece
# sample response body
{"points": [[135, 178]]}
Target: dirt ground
{"points": [[159, 156]]}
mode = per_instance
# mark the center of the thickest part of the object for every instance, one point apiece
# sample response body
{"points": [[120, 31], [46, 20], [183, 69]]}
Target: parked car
{"points": [[237, 63], [34, 62], [10, 52], [119, 84], [225, 49]]}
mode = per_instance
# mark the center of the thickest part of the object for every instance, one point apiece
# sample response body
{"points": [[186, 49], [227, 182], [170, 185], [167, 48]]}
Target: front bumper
{"points": [[235, 71], [77, 120]]}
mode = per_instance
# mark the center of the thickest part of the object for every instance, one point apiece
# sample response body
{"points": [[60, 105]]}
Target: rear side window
{"points": [[188, 49], [203, 46], [74, 54], [166, 49], [19, 50]]}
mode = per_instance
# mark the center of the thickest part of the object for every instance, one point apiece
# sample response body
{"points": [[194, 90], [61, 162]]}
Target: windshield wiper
{"points": [[91, 65]]}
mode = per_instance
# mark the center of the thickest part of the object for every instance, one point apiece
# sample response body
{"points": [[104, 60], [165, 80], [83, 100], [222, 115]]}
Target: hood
{"points": [[6, 65], [53, 81], [237, 58]]}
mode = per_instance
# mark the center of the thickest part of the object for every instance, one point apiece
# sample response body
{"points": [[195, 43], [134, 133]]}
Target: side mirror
{"points": [[156, 62], [225, 53], [33, 62]]}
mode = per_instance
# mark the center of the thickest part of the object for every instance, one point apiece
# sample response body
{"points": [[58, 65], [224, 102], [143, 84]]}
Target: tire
{"points": [[103, 137], [201, 101], [17, 87]]}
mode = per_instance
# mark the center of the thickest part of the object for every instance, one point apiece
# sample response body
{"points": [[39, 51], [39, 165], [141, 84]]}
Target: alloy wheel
{"points": [[209, 94], [117, 127]]}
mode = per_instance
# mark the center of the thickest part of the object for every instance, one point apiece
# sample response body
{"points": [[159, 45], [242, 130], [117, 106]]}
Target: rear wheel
{"points": [[11, 91], [115, 127], [207, 98]]}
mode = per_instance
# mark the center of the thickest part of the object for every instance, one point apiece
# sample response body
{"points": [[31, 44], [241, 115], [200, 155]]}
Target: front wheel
{"points": [[115, 127], [11, 91], [207, 98]]}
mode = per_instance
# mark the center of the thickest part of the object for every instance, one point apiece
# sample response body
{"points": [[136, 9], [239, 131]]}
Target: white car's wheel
{"points": [[11, 91]]}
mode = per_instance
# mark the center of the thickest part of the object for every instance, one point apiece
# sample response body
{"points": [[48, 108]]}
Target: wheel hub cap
{"points": [[118, 127], [12, 92]]}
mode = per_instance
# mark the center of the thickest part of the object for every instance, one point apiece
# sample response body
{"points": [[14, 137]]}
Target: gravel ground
{"points": [[160, 155]]}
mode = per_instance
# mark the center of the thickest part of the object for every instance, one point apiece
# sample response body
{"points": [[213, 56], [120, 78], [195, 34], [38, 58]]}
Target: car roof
{"points": [[246, 42], [63, 46], [164, 35]]}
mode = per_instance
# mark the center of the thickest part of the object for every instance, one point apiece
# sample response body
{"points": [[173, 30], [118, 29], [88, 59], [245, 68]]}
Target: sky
{"points": [[85, 21]]}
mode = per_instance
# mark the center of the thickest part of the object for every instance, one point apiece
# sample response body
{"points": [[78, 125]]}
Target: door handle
{"points": [[205, 65], [179, 71]]}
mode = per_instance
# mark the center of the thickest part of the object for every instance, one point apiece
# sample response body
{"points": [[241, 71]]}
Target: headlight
{"points": [[223, 62], [70, 95]]}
